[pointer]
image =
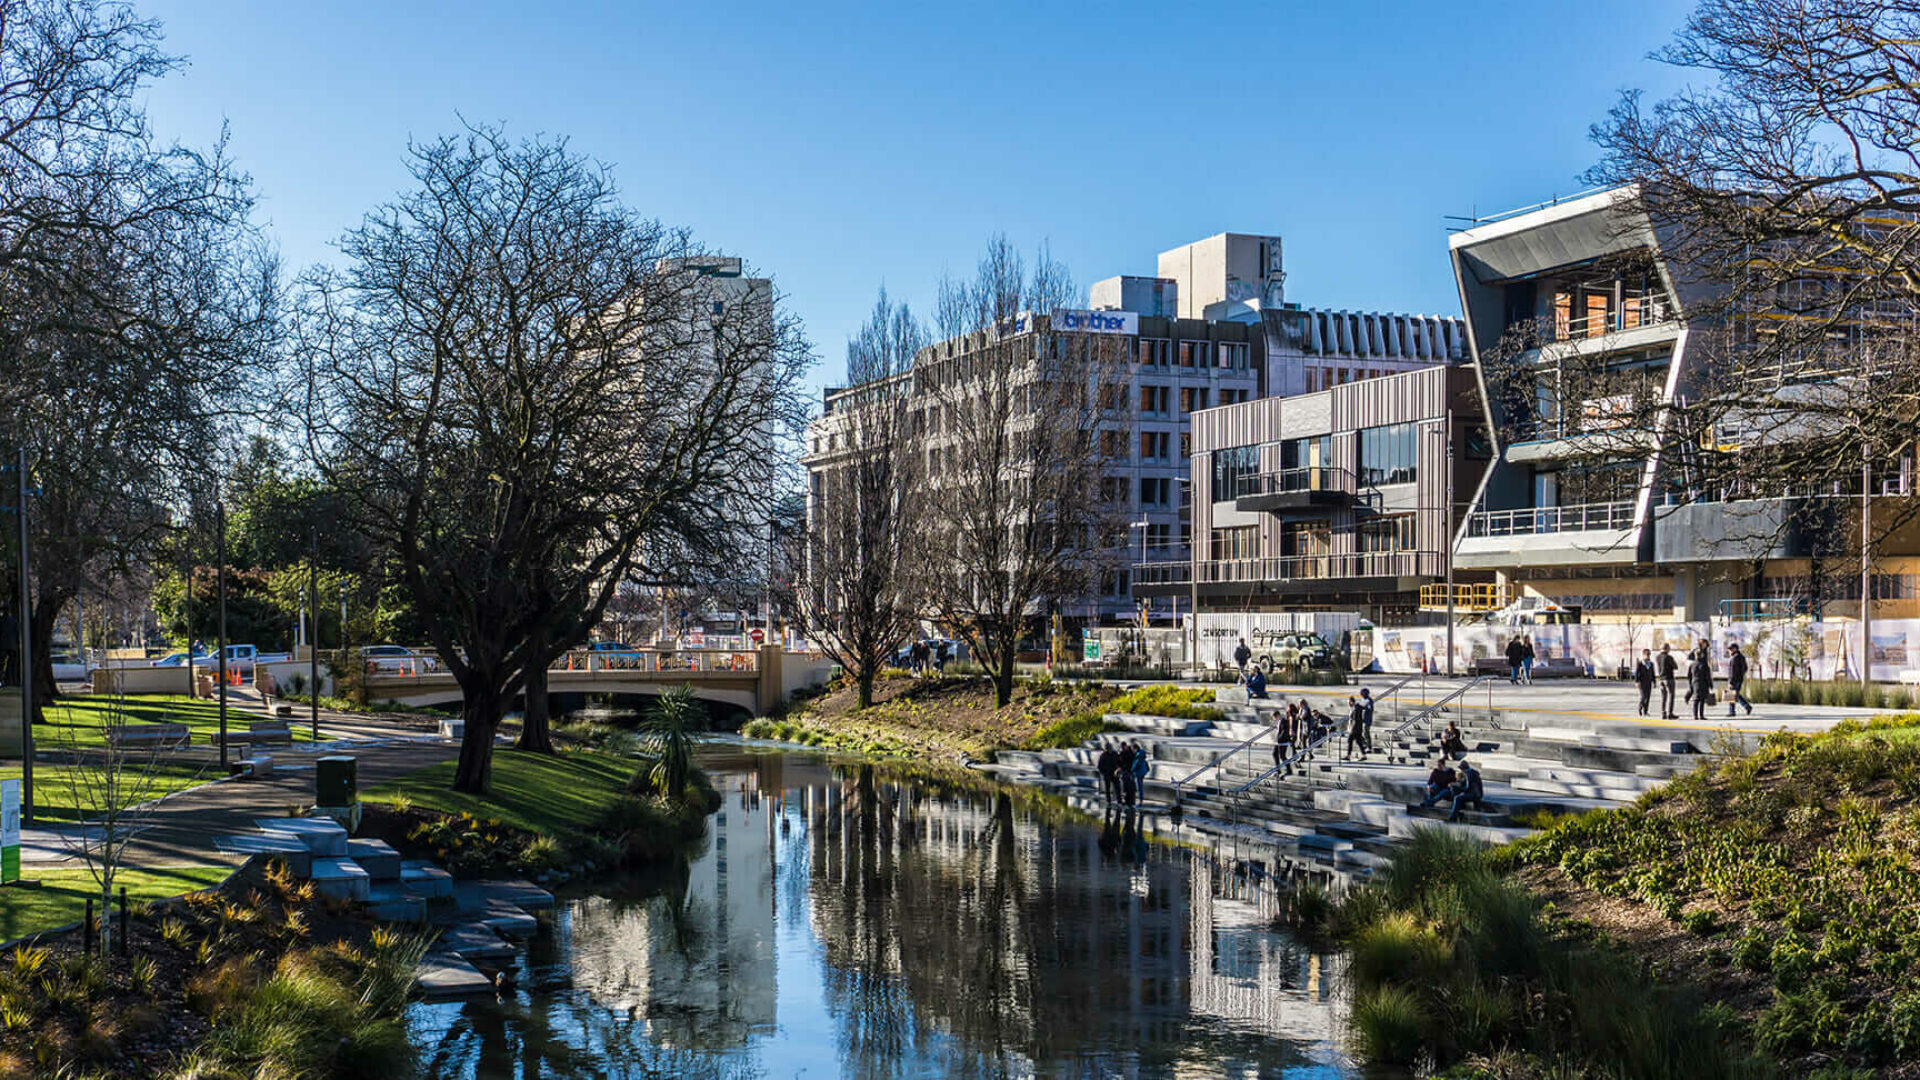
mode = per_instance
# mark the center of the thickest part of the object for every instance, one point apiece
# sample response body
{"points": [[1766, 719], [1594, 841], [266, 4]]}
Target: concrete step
{"points": [[321, 835], [1632, 782], [476, 943], [287, 848], [1561, 787], [445, 974], [1404, 827], [1158, 725], [376, 857], [339, 878], [426, 878], [525, 895]]}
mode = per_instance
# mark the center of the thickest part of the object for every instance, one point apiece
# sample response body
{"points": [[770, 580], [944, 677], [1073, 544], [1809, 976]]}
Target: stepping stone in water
{"points": [[521, 894], [476, 943], [445, 975], [426, 878]]}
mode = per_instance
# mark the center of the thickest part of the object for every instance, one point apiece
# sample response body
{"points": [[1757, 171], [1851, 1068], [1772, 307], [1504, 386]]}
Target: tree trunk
{"points": [[536, 729], [1003, 678], [864, 681], [46, 615], [480, 711]]}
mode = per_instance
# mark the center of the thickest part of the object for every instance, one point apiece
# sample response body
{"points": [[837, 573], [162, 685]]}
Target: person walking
{"points": [[1366, 718], [1126, 772], [1526, 659], [1108, 765], [1141, 764], [1737, 679], [1242, 654], [1700, 682], [1286, 725], [1669, 670], [1515, 653], [1356, 726], [1643, 677], [941, 654]]}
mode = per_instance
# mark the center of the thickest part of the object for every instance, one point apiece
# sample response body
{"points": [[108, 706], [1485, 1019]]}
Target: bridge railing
{"points": [[635, 660]]}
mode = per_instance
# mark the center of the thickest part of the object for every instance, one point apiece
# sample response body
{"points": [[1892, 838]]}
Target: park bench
{"points": [[261, 731], [1560, 667], [148, 735], [257, 767]]}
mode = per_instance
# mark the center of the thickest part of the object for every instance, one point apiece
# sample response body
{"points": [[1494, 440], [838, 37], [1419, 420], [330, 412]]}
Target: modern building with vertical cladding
{"points": [[1335, 500]]}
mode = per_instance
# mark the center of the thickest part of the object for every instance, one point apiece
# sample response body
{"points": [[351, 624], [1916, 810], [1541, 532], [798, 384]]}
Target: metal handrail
{"points": [[1332, 730], [1180, 784], [1428, 712], [1538, 520]]}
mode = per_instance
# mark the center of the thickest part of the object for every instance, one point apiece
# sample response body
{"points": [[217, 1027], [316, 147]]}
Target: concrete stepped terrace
{"points": [[478, 921], [1218, 772]]}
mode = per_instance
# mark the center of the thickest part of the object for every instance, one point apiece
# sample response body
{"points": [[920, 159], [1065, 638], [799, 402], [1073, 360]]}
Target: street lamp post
{"points": [[220, 553], [26, 648], [313, 631], [1448, 466]]}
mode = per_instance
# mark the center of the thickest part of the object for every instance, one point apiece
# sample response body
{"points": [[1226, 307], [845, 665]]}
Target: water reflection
{"points": [[842, 925]]}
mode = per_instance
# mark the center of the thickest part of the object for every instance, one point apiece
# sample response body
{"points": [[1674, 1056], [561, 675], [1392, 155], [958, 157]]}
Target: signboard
{"points": [[696, 639], [1090, 648], [1080, 321], [758, 635], [9, 831]]}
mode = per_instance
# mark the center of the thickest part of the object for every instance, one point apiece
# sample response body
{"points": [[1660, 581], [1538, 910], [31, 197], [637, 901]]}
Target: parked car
{"points": [[1291, 649], [614, 654], [179, 659], [391, 660]]}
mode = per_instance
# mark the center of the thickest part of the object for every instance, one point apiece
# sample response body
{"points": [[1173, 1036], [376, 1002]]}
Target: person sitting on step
{"points": [[1451, 742], [1439, 780]]}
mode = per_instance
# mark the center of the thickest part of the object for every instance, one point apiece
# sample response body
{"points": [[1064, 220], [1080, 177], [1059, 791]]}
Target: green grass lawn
{"points": [[63, 893], [56, 788], [551, 794], [81, 720]]}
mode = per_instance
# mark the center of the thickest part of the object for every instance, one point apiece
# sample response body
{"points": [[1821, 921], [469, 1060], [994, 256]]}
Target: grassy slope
{"points": [[944, 718], [565, 793], [1786, 883], [57, 791], [80, 721], [63, 893]]}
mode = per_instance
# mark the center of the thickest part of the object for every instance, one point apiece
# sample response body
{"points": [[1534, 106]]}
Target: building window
{"points": [[719, 308], [1186, 445], [1153, 352], [1113, 490], [1155, 445], [1393, 533], [1240, 542], [1389, 455], [1233, 471], [1311, 453], [1153, 400], [1193, 354], [1155, 490], [1112, 444], [1193, 398], [1233, 354]]}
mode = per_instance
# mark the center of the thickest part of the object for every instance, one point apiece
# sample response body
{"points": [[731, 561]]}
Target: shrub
{"points": [[1397, 948], [1071, 731], [1701, 921], [1389, 1025], [1799, 1023]]}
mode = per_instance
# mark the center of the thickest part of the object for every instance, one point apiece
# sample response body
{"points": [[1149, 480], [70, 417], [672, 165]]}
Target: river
{"points": [[925, 931]]}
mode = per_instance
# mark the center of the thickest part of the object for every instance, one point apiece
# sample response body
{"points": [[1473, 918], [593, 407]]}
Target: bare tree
{"points": [[1014, 413], [529, 393], [858, 552], [113, 789], [1785, 198]]}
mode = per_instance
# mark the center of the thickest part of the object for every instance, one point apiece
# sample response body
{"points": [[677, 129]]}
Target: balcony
{"points": [[1587, 534], [1633, 310], [1314, 488], [1536, 520]]}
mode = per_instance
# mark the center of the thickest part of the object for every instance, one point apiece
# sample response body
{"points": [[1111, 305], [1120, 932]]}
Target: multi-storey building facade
{"points": [[1571, 511], [1335, 500]]}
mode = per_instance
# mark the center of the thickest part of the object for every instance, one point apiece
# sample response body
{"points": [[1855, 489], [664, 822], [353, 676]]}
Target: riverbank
{"points": [[1758, 917], [952, 718]]}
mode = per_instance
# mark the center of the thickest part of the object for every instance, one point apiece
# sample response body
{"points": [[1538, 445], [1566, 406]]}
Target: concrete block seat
{"points": [[259, 732], [341, 879], [293, 851], [376, 857], [322, 836], [158, 735], [256, 767], [426, 878]]}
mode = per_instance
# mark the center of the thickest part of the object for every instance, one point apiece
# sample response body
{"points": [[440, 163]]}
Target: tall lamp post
{"points": [[220, 553], [26, 647], [313, 631]]}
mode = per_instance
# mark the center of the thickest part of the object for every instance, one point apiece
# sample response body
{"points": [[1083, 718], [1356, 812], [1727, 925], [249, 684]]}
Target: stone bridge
{"points": [[754, 679]]}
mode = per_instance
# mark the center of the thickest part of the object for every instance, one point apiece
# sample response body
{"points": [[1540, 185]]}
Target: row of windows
{"points": [[1326, 378], [1308, 538], [1389, 455], [1159, 352]]}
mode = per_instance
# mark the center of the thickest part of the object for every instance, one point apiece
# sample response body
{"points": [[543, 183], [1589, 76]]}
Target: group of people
{"points": [[1664, 671], [1463, 785], [1300, 726], [1123, 771], [1520, 660], [924, 656]]}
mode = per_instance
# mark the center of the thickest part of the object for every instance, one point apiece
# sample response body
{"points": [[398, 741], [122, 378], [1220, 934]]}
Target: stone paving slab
{"points": [[447, 975]]}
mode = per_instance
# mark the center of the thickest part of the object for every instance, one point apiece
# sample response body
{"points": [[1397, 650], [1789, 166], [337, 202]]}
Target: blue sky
{"points": [[841, 147]]}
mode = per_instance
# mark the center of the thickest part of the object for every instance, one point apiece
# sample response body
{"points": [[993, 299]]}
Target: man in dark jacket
{"points": [[1242, 654], [1126, 772], [1643, 676], [1516, 652], [1356, 730], [1736, 679], [1286, 727], [1440, 779], [1669, 670], [1700, 682], [1366, 718], [1108, 765]]}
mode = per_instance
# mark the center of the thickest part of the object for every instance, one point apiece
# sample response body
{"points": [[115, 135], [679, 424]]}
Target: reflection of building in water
{"points": [[698, 962], [1026, 942]]}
